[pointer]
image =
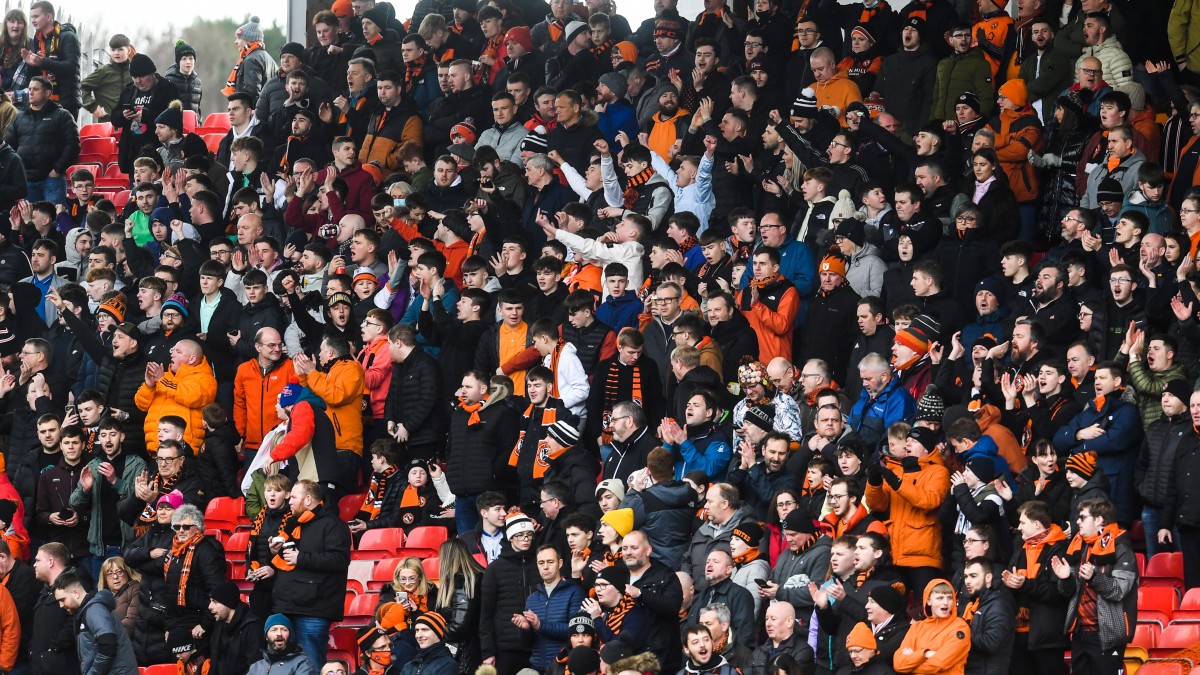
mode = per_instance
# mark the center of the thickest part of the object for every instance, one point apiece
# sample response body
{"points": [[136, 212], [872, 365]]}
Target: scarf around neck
{"points": [[631, 194], [231, 84], [187, 550]]}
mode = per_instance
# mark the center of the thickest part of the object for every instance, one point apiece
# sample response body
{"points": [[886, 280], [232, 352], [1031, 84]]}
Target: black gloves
{"points": [[890, 476], [874, 475]]}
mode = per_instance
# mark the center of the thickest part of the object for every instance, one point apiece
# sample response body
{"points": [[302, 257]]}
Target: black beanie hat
{"points": [[141, 65], [887, 597], [183, 49]]}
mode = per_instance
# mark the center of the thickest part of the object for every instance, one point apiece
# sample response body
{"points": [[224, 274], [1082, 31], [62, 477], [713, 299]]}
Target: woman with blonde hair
{"points": [[400, 603], [124, 582], [458, 599]]}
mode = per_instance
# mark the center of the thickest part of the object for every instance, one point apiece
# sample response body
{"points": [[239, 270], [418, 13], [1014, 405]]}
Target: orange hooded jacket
{"points": [[916, 533], [949, 639]]}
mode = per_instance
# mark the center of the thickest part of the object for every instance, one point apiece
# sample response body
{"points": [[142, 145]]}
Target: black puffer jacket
{"points": [[1181, 505], [207, 572], [416, 398], [507, 583], [119, 379], [154, 597], [1059, 193], [189, 87], [475, 103], [1046, 605], [1164, 439], [268, 312], [274, 93], [474, 453], [664, 511], [52, 640], [47, 140], [317, 587]]}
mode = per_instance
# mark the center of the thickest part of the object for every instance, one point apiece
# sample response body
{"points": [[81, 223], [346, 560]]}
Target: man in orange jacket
{"points": [[770, 303], [941, 642], [256, 387], [340, 383]]}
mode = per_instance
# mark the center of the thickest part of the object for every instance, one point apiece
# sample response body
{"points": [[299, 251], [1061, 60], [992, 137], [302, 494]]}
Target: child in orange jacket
{"points": [[939, 644]]}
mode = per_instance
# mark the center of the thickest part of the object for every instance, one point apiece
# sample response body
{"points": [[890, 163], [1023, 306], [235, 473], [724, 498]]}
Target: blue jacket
{"points": [[1117, 449], [710, 452], [986, 447], [554, 610], [797, 265], [872, 417], [620, 312], [413, 313], [995, 323], [618, 116]]}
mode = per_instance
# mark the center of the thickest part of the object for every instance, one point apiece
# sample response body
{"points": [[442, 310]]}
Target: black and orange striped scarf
{"points": [[763, 283], [412, 73], [611, 557], [549, 417], [48, 45], [373, 502], [230, 87], [615, 618], [688, 244], [278, 562], [149, 514], [602, 50], [639, 179], [187, 550], [556, 28], [613, 395], [554, 358]]}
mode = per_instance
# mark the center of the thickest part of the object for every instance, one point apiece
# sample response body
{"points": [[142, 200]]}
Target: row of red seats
{"points": [[215, 122]]}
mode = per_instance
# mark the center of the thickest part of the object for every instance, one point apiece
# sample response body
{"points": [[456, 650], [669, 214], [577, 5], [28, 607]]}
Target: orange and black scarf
{"points": [[412, 72], [150, 513], [230, 87], [46, 46], [1103, 542], [602, 50], [278, 562], [611, 558], [541, 461], [472, 409], [615, 618], [750, 555], [556, 28], [187, 550], [554, 358], [688, 244], [631, 193], [741, 249], [613, 394], [373, 502]]}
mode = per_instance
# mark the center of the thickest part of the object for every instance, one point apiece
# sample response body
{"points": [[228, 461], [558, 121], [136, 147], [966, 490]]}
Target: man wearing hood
{"points": [[103, 645], [940, 643], [45, 137], [282, 655], [702, 658]]}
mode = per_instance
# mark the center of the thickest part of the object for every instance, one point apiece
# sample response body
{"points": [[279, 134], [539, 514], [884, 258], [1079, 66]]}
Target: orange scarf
{"points": [[473, 409], [412, 72], [750, 555], [186, 549], [230, 87], [373, 502], [278, 562], [631, 194]]}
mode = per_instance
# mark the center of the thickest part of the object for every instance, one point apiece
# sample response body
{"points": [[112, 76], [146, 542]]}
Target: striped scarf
{"points": [[615, 617], [373, 503], [161, 485], [278, 562], [631, 194], [230, 87], [186, 549], [257, 525]]}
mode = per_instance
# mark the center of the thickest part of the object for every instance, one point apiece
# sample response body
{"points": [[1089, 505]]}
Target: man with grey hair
{"points": [[881, 402], [545, 197], [632, 441], [716, 618]]}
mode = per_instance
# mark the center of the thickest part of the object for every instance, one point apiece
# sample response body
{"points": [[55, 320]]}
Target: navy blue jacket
{"points": [[554, 610]]}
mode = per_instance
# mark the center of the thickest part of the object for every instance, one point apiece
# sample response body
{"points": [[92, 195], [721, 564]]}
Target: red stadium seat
{"points": [[161, 669], [345, 639], [213, 141], [112, 183], [385, 570], [1179, 636], [95, 167], [1146, 635], [225, 511], [362, 609], [119, 200], [1141, 563], [430, 536], [1169, 565], [217, 120], [1164, 600], [431, 568], [359, 573], [348, 506], [349, 656], [104, 146], [190, 120], [379, 544], [96, 130]]}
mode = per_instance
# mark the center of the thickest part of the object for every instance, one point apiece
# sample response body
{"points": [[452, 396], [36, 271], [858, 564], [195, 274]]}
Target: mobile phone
{"points": [[762, 583]]}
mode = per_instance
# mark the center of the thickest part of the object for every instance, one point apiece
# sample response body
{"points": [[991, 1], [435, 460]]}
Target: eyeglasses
{"points": [[1073, 219], [972, 540], [546, 501], [1117, 282], [619, 417], [164, 460], [805, 376], [182, 527], [373, 323], [115, 574], [964, 219], [805, 31], [787, 503], [960, 36], [840, 145], [1185, 210], [1084, 315], [759, 44], [665, 299], [1090, 71], [767, 226], [833, 497]]}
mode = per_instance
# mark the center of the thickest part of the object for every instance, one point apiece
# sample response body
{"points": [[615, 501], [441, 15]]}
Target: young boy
{"points": [[902, 316], [1148, 198], [548, 303], [812, 495], [73, 212], [580, 528], [717, 270], [744, 226], [682, 228], [1014, 264], [941, 642], [621, 308]]}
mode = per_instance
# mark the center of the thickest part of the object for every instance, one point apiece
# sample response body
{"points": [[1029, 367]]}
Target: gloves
{"points": [[874, 475], [890, 476], [1051, 160], [1036, 159], [911, 464]]}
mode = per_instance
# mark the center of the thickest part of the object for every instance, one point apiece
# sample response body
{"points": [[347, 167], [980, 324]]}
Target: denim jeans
{"points": [[53, 190], [1151, 523], [312, 634], [466, 516]]}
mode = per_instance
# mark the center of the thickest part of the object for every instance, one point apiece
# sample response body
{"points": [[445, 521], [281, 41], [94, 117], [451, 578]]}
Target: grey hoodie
{"points": [[95, 625], [708, 538]]}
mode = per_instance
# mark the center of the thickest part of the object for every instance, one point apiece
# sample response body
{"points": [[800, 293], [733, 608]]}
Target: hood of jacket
{"points": [[929, 591], [674, 494], [104, 598]]}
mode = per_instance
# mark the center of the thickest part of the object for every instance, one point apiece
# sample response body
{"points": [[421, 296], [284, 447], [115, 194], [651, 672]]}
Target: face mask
{"points": [[399, 203], [383, 658]]}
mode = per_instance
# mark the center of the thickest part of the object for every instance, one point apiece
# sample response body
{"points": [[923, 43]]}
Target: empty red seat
{"points": [[1146, 635], [362, 609], [190, 120], [431, 568], [114, 171], [104, 146], [1169, 565], [94, 167], [1165, 667], [213, 141], [119, 200], [160, 669], [1179, 636], [96, 130], [223, 510], [429, 536], [1141, 563], [1164, 600], [218, 120], [359, 573], [345, 639], [385, 571], [379, 544]]}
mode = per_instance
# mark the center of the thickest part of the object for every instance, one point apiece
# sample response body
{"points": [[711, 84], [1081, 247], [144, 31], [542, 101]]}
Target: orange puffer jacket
{"points": [[915, 531]]}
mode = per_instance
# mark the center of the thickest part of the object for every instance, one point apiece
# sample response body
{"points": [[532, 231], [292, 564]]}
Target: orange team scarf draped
{"points": [[47, 45], [970, 609], [631, 194], [150, 513], [763, 283], [1103, 542], [373, 502], [616, 618], [750, 555], [556, 28], [186, 550], [610, 557], [278, 562], [603, 49], [554, 358], [231, 84], [412, 72], [549, 417], [473, 409], [257, 525]]}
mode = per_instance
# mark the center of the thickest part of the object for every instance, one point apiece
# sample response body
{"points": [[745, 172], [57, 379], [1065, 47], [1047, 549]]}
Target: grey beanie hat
{"points": [[616, 83], [250, 32]]}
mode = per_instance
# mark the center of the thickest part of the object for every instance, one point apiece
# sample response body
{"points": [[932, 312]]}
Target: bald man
{"points": [[257, 385], [181, 390], [781, 637]]}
